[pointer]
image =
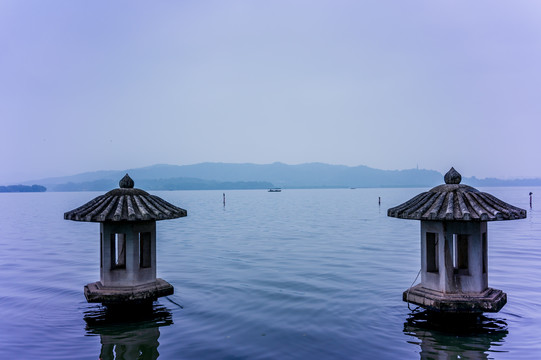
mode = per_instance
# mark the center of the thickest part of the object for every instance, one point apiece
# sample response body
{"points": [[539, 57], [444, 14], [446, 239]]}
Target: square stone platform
{"points": [[490, 300], [97, 293]]}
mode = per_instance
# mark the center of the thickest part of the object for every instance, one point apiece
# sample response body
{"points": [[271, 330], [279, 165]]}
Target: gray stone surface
{"points": [[131, 274], [127, 219], [489, 300], [97, 293], [125, 204], [454, 246], [455, 201], [445, 278]]}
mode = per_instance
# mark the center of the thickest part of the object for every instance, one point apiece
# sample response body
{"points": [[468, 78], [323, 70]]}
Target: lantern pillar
{"points": [[454, 256], [128, 253]]}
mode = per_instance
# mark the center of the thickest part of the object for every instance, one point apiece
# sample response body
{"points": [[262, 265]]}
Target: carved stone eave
{"points": [[456, 202], [125, 204]]}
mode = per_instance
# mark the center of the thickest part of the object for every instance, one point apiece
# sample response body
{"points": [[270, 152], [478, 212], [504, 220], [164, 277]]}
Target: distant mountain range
{"points": [[22, 188], [224, 176]]}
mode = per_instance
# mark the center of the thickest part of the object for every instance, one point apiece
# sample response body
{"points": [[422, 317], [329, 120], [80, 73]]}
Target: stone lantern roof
{"points": [[453, 201], [125, 204]]}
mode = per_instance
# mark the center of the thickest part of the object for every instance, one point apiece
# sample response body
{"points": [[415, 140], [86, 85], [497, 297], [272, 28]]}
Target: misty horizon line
{"points": [[127, 170], [239, 163]]}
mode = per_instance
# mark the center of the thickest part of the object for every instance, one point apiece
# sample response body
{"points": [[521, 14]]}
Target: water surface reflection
{"points": [[131, 334], [456, 338]]}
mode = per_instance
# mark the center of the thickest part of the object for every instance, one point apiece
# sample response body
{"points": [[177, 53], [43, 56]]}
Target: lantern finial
{"points": [[126, 182], [452, 177]]}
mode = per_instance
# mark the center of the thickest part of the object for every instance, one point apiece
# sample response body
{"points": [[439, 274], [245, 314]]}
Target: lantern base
{"points": [[97, 293], [490, 300]]}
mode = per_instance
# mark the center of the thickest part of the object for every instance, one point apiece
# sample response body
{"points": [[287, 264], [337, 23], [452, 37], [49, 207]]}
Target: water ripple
{"points": [[303, 274]]}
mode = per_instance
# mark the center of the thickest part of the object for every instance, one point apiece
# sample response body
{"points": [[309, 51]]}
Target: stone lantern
{"points": [[127, 218], [454, 243]]}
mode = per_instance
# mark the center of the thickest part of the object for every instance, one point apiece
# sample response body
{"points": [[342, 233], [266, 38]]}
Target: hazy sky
{"points": [[391, 84]]}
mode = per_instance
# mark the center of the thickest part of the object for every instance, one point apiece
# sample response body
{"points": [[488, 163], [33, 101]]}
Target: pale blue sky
{"points": [[391, 84]]}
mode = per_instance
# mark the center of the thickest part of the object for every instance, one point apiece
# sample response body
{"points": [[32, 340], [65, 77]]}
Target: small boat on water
{"points": [[275, 190]]}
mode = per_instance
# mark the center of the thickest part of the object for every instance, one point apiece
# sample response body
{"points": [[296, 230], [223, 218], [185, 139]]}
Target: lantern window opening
{"points": [[101, 250], [432, 258], [460, 253], [145, 259], [118, 251], [485, 252]]}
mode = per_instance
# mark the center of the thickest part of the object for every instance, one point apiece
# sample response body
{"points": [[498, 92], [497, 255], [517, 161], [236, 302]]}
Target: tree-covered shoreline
{"points": [[22, 188]]}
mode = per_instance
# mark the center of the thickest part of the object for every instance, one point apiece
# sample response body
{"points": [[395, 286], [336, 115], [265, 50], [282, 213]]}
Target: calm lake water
{"points": [[301, 274]]}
